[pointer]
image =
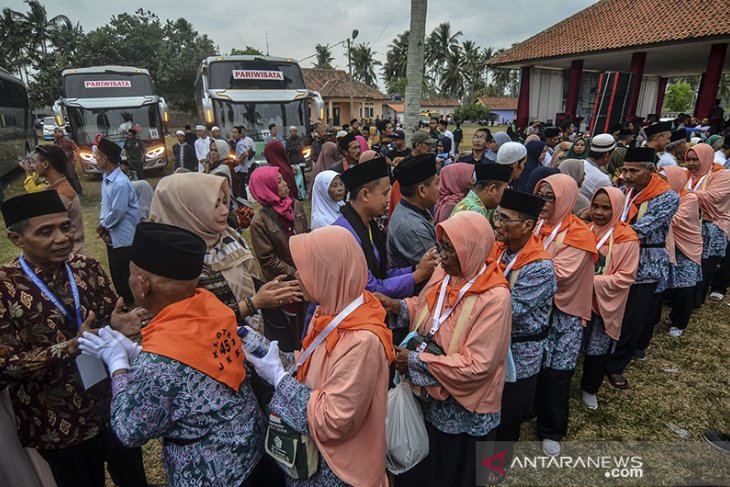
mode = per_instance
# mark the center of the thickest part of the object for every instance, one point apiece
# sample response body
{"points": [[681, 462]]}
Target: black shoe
{"points": [[640, 354], [720, 441]]}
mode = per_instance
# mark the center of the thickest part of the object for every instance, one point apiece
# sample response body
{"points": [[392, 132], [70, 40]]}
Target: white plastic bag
{"points": [[405, 430]]}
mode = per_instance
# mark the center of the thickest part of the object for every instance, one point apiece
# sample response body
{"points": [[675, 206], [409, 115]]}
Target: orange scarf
{"points": [[531, 252], [577, 234], [368, 316], [655, 187], [622, 232], [491, 277], [199, 332]]}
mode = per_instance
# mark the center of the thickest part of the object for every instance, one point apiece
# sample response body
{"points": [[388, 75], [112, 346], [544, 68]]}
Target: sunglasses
{"points": [[41, 149]]}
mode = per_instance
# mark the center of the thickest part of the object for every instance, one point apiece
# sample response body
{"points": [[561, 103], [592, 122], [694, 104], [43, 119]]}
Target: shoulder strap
{"points": [[421, 318], [642, 210], [513, 278], [559, 241], [461, 323]]}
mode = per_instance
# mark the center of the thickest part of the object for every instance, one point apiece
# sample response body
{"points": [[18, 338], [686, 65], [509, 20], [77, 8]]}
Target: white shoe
{"points": [[590, 400], [675, 332], [551, 448], [715, 296]]}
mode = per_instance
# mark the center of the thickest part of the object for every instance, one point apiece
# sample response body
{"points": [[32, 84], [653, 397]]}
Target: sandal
{"points": [[618, 381]]}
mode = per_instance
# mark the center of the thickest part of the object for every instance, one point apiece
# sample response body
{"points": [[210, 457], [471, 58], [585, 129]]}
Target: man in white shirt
{"points": [[245, 150], [443, 130], [202, 147], [675, 149], [722, 156], [600, 154]]}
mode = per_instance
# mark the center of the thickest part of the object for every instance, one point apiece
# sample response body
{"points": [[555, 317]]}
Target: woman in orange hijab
{"points": [[572, 246], [461, 389], [711, 183], [615, 271], [335, 389]]}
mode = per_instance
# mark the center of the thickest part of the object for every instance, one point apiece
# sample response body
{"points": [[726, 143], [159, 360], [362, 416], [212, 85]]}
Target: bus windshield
{"points": [[258, 74], [256, 117], [16, 124], [103, 85], [114, 123]]}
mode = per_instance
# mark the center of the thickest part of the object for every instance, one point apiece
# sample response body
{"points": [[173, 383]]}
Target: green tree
{"points": [[363, 64], [13, 45], [396, 58], [324, 57], [438, 46], [471, 111], [678, 97], [248, 51], [40, 27], [452, 77]]}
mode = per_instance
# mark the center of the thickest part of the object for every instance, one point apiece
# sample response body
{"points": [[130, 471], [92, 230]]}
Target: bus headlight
{"points": [[307, 152], [155, 152], [87, 157]]}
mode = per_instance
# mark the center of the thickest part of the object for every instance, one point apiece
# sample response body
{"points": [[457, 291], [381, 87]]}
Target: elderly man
{"points": [[491, 180], [514, 155], [202, 147], [184, 153], [599, 155], [48, 297], [294, 146], [658, 137], [350, 150], [674, 153], [186, 384], [215, 132]]}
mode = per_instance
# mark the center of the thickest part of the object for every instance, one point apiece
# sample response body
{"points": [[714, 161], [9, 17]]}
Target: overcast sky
{"points": [[295, 26]]}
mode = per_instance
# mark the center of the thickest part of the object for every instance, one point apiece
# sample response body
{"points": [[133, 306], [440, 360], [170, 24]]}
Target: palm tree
{"points": [[437, 48], [67, 37], [396, 58], [452, 77], [474, 70], [363, 64], [13, 54], [41, 28], [414, 67], [324, 57]]}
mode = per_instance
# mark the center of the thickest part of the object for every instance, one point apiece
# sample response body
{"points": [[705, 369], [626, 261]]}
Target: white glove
{"points": [[269, 367], [132, 349], [109, 350]]}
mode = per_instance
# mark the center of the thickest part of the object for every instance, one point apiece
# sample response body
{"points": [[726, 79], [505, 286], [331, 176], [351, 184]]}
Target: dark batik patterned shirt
{"points": [[52, 407]]}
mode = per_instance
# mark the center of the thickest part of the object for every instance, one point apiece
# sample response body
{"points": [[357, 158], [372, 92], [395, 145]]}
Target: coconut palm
{"points": [[324, 57], [452, 76], [41, 28], [438, 45], [414, 66], [13, 47], [363, 64], [396, 58]]}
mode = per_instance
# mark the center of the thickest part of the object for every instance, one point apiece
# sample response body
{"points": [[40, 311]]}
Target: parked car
{"points": [[49, 125]]}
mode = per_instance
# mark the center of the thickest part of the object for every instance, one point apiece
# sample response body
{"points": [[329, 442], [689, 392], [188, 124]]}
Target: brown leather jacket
{"points": [[271, 241]]}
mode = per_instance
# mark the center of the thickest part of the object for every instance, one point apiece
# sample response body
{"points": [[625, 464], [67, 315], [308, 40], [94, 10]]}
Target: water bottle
{"points": [[253, 343]]}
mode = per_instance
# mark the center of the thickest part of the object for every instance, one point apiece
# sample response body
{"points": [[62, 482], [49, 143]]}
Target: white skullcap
{"points": [[341, 134], [215, 128], [603, 143], [292, 127], [180, 132], [510, 152], [200, 127]]}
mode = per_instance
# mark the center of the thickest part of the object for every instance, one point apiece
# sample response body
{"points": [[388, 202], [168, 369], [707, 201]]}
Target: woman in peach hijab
{"points": [[684, 245], [572, 246], [338, 394], [615, 271], [461, 389], [711, 183]]}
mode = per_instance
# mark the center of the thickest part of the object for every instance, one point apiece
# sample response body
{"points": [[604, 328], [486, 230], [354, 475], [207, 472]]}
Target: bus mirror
{"points": [[208, 109], [58, 114], [163, 110]]}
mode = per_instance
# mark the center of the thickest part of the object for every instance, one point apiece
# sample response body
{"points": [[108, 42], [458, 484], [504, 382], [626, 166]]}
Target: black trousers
{"points": [[552, 398], [517, 400], [636, 317], [594, 366], [451, 461], [709, 269], [72, 177], [722, 276], [83, 465], [119, 259]]}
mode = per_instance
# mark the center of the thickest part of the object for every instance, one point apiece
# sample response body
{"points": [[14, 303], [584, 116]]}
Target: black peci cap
{"points": [[552, 132], [168, 251], [365, 172], [31, 205], [658, 128], [110, 149], [344, 141], [415, 169], [639, 154], [493, 172], [526, 203]]}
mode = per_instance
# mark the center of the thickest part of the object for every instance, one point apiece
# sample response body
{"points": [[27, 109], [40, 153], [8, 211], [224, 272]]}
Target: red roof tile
{"points": [[620, 24], [498, 103], [334, 83], [440, 102], [397, 106]]}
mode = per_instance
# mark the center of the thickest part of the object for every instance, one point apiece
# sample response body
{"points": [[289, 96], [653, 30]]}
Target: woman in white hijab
{"points": [[328, 195]]}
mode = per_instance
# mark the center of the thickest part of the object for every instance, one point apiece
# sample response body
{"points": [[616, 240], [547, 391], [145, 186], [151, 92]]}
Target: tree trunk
{"points": [[414, 67]]}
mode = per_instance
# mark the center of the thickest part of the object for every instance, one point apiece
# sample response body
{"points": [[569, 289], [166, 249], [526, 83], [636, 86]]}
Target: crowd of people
{"points": [[480, 278]]}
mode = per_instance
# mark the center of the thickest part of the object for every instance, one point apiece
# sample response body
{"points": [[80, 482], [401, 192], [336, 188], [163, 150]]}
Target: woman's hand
{"points": [[401, 359], [425, 267], [391, 305], [277, 293]]}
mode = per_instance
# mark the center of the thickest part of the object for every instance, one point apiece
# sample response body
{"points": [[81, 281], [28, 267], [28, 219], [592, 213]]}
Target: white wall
{"points": [[647, 96], [546, 93]]}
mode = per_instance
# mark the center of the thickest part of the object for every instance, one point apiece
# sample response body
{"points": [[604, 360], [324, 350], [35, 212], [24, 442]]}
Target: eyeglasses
{"points": [[547, 197], [41, 149], [499, 218], [691, 159], [445, 249], [479, 137]]}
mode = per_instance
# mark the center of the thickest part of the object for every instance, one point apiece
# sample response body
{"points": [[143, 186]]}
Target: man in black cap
{"points": [[552, 139], [658, 136], [624, 139], [650, 206], [411, 231], [119, 215], [674, 150], [186, 383], [368, 185], [350, 149], [484, 197], [48, 297], [531, 276], [401, 150]]}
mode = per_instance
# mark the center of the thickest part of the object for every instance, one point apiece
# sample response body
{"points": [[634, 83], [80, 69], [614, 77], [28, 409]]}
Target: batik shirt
{"points": [[564, 341], [652, 230], [52, 407], [684, 274], [472, 203], [714, 240], [212, 435], [532, 298]]}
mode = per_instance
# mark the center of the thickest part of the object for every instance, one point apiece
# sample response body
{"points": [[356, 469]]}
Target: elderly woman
{"points": [[328, 197], [199, 203], [461, 373], [336, 391]]}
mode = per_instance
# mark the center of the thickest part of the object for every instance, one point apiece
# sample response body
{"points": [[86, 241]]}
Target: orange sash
{"points": [[655, 187], [491, 277], [369, 316], [531, 252], [577, 234], [622, 232], [199, 332]]}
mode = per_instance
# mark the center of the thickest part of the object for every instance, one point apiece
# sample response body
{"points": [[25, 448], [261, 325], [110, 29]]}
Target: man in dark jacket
{"points": [[184, 153]]}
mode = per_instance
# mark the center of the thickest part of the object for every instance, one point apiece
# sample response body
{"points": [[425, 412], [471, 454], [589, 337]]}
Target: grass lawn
{"points": [[684, 380]]}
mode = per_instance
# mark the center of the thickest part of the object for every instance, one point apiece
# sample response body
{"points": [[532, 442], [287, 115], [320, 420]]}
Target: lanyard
{"points": [[604, 238], [438, 318], [512, 262], [329, 328], [696, 186], [552, 236], [52, 297], [629, 202]]}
